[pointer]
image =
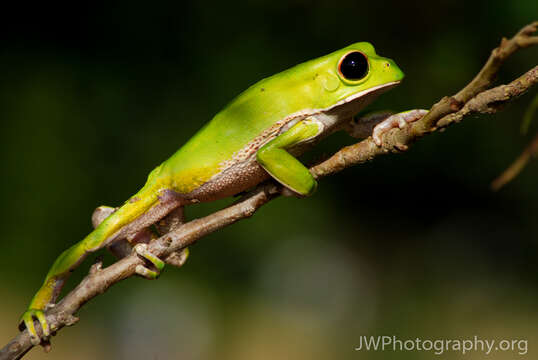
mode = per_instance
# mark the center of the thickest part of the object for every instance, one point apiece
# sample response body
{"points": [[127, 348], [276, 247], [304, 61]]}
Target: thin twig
{"points": [[99, 280], [513, 170], [483, 80]]}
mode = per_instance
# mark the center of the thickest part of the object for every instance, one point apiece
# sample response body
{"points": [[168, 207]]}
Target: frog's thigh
{"points": [[121, 248], [281, 165]]}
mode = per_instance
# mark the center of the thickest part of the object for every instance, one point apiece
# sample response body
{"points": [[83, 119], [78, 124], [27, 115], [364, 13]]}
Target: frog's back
{"points": [[250, 115]]}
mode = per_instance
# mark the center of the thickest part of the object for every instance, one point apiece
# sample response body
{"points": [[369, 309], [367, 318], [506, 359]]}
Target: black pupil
{"points": [[354, 66]]}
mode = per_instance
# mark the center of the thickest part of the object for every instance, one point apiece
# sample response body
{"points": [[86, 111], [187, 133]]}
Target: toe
{"points": [[413, 115], [178, 258], [381, 128], [28, 320], [399, 120], [142, 250], [100, 214], [145, 272], [43, 322]]}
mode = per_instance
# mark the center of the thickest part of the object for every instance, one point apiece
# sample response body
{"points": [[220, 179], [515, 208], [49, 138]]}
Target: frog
{"points": [[258, 136]]}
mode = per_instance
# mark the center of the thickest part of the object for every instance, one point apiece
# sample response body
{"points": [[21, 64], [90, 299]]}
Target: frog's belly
{"points": [[243, 171], [235, 179], [247, 173]]}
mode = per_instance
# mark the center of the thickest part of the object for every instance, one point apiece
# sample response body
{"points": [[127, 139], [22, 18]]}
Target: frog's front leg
{"points": [[362, 125], [399, 120], [285, 168]]}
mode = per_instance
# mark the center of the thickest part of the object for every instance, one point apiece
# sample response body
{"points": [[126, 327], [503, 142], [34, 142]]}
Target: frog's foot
{"points": [[101, 213], [177, 258], [399, 120], [27, 320], [142, 250]]}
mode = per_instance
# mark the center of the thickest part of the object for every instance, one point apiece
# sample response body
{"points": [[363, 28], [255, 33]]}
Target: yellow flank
{"points": [[191, 179]]}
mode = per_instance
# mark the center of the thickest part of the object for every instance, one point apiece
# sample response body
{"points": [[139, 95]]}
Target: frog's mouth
{"points": [[358, 101], [370, 93]]}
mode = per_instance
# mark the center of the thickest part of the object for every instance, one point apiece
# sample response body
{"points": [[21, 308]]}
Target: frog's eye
{"points": [[353, 66]]}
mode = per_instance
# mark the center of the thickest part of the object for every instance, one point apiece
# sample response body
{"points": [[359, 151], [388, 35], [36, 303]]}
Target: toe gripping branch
{"points": [[27, 321], [158, 264], [123, 248], [170, 223], [399, 120]]}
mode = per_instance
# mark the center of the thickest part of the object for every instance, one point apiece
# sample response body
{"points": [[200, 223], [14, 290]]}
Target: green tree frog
{"points": [[257, 135]]}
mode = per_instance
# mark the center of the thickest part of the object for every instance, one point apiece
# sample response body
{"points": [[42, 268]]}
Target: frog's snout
{"points": [[391, 67]]}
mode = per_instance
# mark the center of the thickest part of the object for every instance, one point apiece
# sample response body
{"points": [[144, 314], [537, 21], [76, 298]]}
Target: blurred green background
{"points": [[93, 96]]}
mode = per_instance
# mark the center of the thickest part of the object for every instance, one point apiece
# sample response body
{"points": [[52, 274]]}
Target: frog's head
{"points": [[354, 76]]}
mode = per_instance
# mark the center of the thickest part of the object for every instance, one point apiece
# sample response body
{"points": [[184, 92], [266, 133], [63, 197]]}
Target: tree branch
{"points": [[398, 140], [473, 98]]}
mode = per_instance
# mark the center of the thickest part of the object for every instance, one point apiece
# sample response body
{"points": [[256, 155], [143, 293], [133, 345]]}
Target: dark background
{"points": [[93, 96]]}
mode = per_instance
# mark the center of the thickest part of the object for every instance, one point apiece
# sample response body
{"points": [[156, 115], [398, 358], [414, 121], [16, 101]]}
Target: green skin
{"points": [[256, 136]]}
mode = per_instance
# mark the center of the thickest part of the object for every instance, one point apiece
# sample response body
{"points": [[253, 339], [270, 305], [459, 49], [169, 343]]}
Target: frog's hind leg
{"points": [[141, 211], [120, 248], [123, 247], [170, 223], [50, 291]]}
